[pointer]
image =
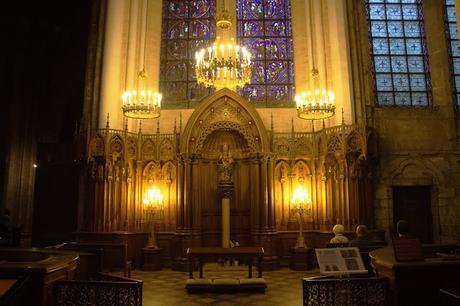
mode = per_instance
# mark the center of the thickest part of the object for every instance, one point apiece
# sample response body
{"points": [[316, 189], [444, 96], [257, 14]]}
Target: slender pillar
{"points": [[225, 192], [225, 222]]}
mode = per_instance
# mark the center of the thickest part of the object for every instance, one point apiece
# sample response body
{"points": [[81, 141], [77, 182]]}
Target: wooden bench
{"points": [[202, 254]]}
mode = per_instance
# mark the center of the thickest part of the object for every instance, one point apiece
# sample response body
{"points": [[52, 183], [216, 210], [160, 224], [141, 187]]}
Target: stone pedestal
{"points": [[151, 259], [302, 259]]}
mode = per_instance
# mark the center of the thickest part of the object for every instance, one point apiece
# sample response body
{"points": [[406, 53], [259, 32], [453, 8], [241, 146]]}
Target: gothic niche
{"points": [[217, 145]]}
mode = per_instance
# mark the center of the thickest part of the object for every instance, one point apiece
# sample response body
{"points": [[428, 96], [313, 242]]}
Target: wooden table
{"points": [[249, 253]]}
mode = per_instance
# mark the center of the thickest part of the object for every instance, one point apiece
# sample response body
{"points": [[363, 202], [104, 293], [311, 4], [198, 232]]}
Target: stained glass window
{"points": [[188, 25], [399, 52], [454, 46], [264, 26]]}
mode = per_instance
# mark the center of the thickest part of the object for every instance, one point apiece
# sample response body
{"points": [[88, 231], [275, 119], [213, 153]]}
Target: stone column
{"points": [[111, 68]]}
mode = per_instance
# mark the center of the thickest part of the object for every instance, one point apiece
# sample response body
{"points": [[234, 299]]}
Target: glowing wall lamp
{"points": [[153, 204], [300, 204]]}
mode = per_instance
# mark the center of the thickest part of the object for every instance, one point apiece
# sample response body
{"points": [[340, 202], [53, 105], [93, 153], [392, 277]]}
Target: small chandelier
{"points": [[315, 104], [225, 64], [141, 103]]}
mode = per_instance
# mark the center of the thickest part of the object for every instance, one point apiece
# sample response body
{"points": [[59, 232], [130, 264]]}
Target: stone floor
{"points": [[167, 287]]}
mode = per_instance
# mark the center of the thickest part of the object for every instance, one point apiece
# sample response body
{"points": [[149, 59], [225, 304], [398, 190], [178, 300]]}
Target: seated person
{"points": [[362, 238], [402, 227], [338, 231]]}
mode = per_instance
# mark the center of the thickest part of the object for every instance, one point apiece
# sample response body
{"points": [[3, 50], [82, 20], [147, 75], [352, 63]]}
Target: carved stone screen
{"points": [[187, 26], [264, 26], [454, 47], [399, 53]]}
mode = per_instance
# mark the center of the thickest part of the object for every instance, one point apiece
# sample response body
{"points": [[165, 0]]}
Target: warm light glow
{"points": [[153, 199], [300, 200], [315, 104], [225, 64], [141, 103]]}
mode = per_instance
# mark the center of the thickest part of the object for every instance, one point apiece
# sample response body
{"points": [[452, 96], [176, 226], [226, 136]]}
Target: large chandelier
{"points": [[224, 64], [318, 102], [141, 102]]}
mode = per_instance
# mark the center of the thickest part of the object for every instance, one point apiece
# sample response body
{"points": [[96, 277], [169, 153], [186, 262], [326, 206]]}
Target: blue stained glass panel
{"points": [[410, 12], [201, 29], [382, 63], [252, 9], [186, 27], [414, 46], [398, 52], [403, 99], [177, 49], [384, 82], [274, 9], [177, 29], [276, 48], [277, 72], [385, 98], [176, 71], [378, 12], [278, 93], [264, 27], [252, 28], [398, 64], [416, 64], [454, 50], [258, 73], [276, 28], [397, 46], [200, 9], [395, 29], [417, 82], [412, 28], [256, 46], [379, 29], [178, 9], [450, 12], [394, 11], [420, 99], [254, 93], [401, 83]]}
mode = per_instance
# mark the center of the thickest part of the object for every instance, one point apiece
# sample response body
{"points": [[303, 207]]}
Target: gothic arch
{"points": [[224, 109]]}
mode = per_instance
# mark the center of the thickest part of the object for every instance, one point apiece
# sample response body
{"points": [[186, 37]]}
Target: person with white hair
{"points": [[339, 237]]}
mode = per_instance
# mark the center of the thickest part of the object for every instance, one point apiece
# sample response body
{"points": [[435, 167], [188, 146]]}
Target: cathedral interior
{"points": [[218, 165]]}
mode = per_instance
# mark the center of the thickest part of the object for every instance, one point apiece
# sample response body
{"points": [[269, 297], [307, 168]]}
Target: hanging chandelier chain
{"points": [[145, 33], [314, 70], [323, 40]]}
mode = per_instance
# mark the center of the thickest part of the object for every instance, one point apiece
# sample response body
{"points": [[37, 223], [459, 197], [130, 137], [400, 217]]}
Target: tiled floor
{"points": [[167, 287]]}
